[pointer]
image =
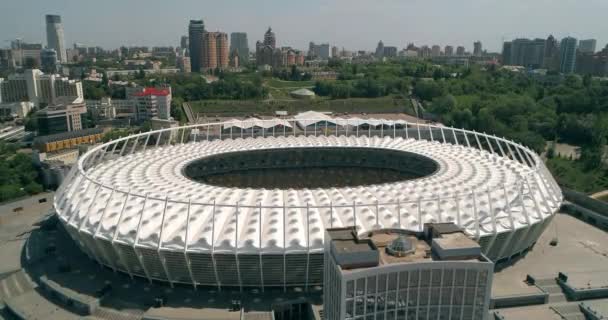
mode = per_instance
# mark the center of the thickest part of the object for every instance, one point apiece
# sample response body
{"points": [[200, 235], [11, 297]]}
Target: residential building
{"points": [[268, 56], [35, 86], [152, 103], [439, 273], [319, 51], [524, 52], [239, 42], [63, 116], [390, 52], [48, 61], [477, 49], [551, 58], [435, 51], [587, 46], [196, 29], [568, 55], [335, 52], [54, 36], [16, 109], [460, 51], [234, 59], [448, 51], [595, 64], [424, 52], [215, 45], [183, 63]]}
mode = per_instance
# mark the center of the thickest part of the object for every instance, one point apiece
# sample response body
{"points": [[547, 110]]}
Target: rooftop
{"points": [[67, 135], [354, 252], [152, 92]]}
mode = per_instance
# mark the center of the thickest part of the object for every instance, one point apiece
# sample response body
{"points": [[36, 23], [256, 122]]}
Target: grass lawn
{"points": [[233, 108], [277, 83]]}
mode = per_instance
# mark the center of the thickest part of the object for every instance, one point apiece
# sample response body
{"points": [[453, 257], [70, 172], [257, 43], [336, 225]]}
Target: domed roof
{"points": [[303, 92], [400, 247]]}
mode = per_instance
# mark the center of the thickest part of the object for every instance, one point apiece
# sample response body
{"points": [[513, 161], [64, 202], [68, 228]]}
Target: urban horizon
{"points": [[342, 35]]}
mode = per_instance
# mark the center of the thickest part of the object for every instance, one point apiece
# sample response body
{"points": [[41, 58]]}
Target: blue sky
{"points": [[354, 24]]}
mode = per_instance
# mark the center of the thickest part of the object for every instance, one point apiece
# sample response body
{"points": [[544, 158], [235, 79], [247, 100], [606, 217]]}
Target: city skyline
{"points": [[416, 21]]}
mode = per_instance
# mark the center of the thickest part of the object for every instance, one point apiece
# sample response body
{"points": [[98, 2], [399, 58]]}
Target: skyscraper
{"points": [[54, 36], [184, 42], [567, 55], [435, 51], [196, 29], [477, 49], [320, 51], [380, 49], [551, 59], [587, 46], [48, 61], [270, 39], [216, 51], [239, 42]]}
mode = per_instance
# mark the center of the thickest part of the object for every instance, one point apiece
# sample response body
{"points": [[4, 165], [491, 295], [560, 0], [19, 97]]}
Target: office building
{"points": [[567, 55], [152, 103], [448, 51], [587, 46], [397, 274], [35, 86], [319, 51], [62, 116], [477, 49], [390, 52], [270, 38], [48, 61], [239, 42], [196, 29], [54, 36], [595, 64], [460, 51], [335, 52]]}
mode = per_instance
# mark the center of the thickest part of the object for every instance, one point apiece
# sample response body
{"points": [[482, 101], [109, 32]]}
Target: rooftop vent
{"points": [[400, 247]]}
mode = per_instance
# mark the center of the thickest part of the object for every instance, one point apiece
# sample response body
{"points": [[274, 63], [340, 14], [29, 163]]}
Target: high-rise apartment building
{"points": [[435, 51], [460, 51], [62, 116], [449, 51], [567, 55], [477, 49], [54, 36], [335, 52], [390, 52], [267, 54], [196, 29], [587, 46], [216, 49], [270, 38], [439, 273], [319, 51], [524, 52], [551, 56], [34, 86], [239, 42]]}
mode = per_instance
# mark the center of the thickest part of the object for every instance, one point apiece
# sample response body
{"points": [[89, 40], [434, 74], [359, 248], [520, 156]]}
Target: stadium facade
{"points": [[141, 204]]}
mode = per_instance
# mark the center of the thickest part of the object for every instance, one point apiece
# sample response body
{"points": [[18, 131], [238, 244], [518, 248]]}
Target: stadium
{"points": [[246, 203]]}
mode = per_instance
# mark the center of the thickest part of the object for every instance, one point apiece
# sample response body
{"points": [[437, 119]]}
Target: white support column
{"points": [[284, 248], [439, 214], [134, 145], [488, 142], [137, 253], [430, 132], [209, 128], [455, 137], [115, 235], [533, 196], [357, 128], [236, 247], [407, 134], [161, 257], [458, 221], [508, 206], [382, 129], [98, 227], [160, 135], [377, 217], [307, 243], [477, 139], [355, 215], [420, 222], [217, 277], [146, 143], [502, 152], [324, 133], [394, 130], [493, 217], [399, 213], [182, 138], [466, 138], [542, 195], [331, 214], [418, 128], [443, 134], [124, 146], [186, 257], [260, 247]]}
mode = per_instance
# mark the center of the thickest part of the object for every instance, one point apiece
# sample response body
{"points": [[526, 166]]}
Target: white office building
{"points": [[397, 274], [34, 86], [54, 36]]}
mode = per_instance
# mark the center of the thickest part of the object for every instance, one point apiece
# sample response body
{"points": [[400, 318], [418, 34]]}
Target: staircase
{"points": [[555, 292], [14, 284]]}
